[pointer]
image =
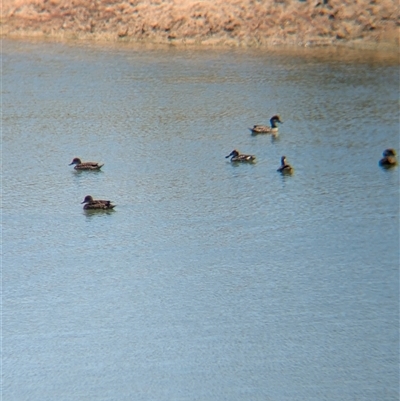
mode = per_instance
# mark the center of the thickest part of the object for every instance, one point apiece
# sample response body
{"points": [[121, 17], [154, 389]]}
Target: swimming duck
{"points": [[389, 158], [91, 203], [237, 157], [285, 168], [79, 165], [264, 129]]}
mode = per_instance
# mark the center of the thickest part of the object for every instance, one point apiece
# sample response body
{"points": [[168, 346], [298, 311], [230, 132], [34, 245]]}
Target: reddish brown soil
{"points": [[210, 22]]}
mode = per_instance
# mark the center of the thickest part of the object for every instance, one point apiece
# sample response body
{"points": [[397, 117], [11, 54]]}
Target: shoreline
{"points": [[70, 37], [388, 48], [217, 24]]}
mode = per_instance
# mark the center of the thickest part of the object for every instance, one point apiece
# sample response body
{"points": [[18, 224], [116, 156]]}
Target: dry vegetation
{"points": [[216, 22]]}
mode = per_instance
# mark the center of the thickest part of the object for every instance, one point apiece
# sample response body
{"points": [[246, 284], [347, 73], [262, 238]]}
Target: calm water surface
{"points": [[209, 281]]}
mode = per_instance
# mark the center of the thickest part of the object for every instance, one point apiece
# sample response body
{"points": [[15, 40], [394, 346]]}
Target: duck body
{"points": [[389, 158], [285, 168], [237, 157], [96, 204], [265, 129], [79, 165]]}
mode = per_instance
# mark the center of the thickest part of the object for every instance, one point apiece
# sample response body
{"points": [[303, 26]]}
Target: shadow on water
{"points": [[239, 164], [92, 213], [388, 167], [285, 177], [274, 137], [79, 172]]}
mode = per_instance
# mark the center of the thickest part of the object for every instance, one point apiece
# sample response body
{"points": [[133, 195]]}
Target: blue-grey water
{"points": [[209, 281]]}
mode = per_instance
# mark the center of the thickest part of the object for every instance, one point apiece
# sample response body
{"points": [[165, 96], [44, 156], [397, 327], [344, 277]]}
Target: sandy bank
{"points": [[362, 23]]}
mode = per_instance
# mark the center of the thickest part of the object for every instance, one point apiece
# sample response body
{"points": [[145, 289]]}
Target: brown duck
{"points": [[237, 157], [79, 165], [285, 168], [265, 129], [389, 158], [98, 204]]}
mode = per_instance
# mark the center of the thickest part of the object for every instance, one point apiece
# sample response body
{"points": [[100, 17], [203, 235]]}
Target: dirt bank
{"points": [[217, 22]]}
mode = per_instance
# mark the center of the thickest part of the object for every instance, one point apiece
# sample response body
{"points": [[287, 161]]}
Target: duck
{"points": [[264, 129], [237, 157], [97, 204], [285, 168], [79, 165], [389, 158]]}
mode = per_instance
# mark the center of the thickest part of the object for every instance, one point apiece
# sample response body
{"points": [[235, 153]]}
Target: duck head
{"points": [[389, 152], [275, 119], [283, 160], [234, 153], [76, 160], [88, 199]]}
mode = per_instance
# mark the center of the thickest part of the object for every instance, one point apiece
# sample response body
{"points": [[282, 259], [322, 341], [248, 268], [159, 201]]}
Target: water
{"points": [[209, 281]]}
